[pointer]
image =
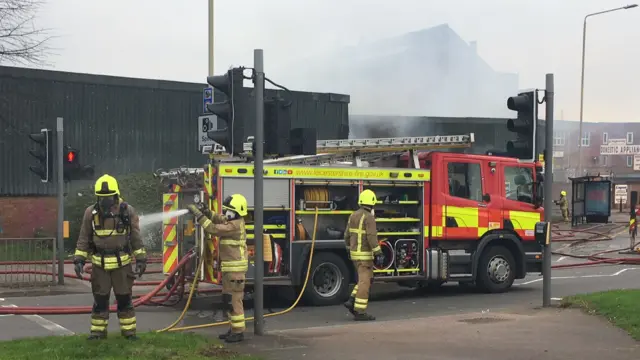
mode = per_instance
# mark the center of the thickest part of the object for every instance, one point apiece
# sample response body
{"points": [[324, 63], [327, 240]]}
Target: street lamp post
{"points": [[584, 46], [211, 69]]}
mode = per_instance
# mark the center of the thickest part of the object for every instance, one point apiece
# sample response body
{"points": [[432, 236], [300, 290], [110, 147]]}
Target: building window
{"points": [[629, 138], [629, 161], [558, 138], [605, 138], [465, 181], [586, 139], [603, 160]]}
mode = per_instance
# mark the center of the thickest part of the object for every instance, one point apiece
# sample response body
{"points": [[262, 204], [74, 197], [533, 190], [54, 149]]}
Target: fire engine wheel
{"points": [[496, 270], [328, 282]]}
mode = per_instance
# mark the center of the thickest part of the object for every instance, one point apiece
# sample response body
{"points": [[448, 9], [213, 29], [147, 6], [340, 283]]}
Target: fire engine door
{"points": [[465, 210]]}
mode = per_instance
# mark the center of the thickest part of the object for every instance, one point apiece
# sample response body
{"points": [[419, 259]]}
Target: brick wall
{"points": [[21, 217]]}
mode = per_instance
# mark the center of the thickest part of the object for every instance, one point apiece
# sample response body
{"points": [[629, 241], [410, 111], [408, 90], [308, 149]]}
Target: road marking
{"points": [[556, 299], [578, 276], [47, 324], [561, 258]]}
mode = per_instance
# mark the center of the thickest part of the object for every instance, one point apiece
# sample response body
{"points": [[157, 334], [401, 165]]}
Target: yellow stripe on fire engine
{"points": [[169, 234], [466, 217], [524, 220], [322, 172]]}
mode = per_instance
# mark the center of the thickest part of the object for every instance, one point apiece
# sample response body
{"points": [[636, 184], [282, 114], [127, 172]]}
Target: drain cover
{"points": [[482, 320]]}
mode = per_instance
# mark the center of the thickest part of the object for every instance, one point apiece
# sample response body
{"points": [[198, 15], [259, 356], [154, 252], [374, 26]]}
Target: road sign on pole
{"points": [[620, 194], [207, 98]]}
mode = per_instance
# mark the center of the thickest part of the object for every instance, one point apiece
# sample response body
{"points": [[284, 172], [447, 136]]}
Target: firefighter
{"points": [[564, 205], [234, 263], [361, 240], [110, 234]]}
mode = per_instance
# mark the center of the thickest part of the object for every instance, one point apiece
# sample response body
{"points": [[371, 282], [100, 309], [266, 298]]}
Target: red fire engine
{"points": [[441, 216]]}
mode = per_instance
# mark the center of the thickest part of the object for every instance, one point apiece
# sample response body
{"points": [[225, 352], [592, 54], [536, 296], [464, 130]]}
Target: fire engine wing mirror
{"points": [[539, 196]]}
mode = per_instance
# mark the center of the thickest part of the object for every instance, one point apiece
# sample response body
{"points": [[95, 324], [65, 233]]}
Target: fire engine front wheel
{"points": [[496, 270], [328, 282]]}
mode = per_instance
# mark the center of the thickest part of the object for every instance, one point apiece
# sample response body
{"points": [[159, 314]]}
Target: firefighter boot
{"points": [[234, 338], [225, 335], [363, 316], [97, 337], [349, 305]]}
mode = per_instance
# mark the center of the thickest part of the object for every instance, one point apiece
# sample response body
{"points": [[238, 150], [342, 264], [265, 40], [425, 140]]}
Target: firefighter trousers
{"points": [[565, 214], [360, 292], [121, 281], [232, 295]]}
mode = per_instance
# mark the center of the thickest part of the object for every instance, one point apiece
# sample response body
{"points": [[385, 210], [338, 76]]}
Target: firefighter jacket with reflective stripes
{"points": [[361, 236], [233, 241], [564, 204], [110, 242]]}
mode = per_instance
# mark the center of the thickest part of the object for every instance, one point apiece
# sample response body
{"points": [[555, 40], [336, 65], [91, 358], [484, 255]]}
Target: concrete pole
{"points": [[210, 33], [548, 190], [258, 65]]}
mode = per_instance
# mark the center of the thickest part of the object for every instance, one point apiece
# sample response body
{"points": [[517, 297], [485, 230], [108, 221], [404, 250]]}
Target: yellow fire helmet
{"points": [[106, 185], [367, 198], [237, 203], [563, 193]]}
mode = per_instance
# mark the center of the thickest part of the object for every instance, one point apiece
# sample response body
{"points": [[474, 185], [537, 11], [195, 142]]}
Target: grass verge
{"points": [[620, 307], [156, 346]]}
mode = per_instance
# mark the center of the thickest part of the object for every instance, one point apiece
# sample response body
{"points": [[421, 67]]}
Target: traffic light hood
{"points": [[519, 103]]}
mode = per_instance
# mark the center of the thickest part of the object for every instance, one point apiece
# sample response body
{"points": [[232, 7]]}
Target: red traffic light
{"points": [[71, 156]]}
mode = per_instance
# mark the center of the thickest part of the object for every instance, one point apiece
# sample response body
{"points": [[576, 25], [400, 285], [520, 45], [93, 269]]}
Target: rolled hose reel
{"points": [[386, 260]]}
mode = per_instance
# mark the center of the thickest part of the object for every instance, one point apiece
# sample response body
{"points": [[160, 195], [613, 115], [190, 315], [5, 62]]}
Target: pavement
{"points": [[519, 334], [306, 330]]}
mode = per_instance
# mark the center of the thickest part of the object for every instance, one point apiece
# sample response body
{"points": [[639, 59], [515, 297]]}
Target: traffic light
{"points": [[73, 170], [231, 113], [525, 125], [44, 154]]}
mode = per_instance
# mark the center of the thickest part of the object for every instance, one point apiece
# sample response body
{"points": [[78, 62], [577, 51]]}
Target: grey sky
{"points": [[167, 39]]}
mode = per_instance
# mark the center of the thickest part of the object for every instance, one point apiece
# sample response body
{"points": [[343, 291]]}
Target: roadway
{"points": [[388, 302]]}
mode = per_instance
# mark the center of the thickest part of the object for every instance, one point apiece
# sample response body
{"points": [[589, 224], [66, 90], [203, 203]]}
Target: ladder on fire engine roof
{"points": [[354, 151], [358, 150]]}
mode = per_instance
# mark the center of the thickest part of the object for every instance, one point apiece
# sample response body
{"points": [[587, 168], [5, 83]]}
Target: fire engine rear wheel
{"points": [[328, 283], [496, 270]]}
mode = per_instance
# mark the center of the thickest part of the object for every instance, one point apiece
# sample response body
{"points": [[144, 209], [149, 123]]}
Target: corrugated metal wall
{"points": [[119, 124]]}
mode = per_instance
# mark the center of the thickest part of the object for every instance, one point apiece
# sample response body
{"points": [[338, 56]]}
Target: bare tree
{"points": [[21, 42]]}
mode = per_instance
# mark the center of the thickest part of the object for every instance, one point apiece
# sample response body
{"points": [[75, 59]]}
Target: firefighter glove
{"points": [[141, 267], [208, 213], [194, 210], [78, 266]]}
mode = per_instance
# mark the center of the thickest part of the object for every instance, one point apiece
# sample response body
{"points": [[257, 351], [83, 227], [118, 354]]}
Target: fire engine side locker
{"points": [[277, 208]]}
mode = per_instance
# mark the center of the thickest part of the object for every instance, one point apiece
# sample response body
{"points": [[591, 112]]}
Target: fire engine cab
{"points": [[441, 216]]}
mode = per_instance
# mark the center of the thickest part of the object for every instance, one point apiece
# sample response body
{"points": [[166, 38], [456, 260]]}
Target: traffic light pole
{"points": [[60, 183], [258, 65], [548, 190]]}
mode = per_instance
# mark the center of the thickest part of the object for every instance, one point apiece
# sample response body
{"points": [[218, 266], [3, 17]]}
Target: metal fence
{"points": [[27, 262]]}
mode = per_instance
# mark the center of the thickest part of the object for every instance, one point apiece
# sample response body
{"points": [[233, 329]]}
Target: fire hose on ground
{"points": [[595, 258]]}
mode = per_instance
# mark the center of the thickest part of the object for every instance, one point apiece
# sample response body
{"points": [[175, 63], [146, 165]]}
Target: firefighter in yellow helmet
{"points": [[564, 205], [110, 237], [361, 239], [234, 263]]}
